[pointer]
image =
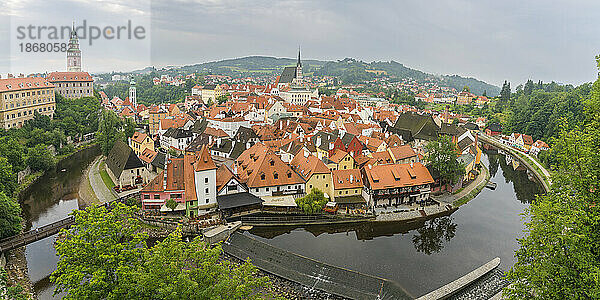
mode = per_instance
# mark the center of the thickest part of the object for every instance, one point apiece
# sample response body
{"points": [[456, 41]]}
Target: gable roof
{"points": [[204, 161], [397, 175], [307, 164], [346, 179], [121, 157], [259, 160]]}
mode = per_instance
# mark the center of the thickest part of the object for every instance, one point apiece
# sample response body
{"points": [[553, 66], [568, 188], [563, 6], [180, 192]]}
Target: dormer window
{"points": [[272, 163], [275, 175], [289, 174], [262, 176]]}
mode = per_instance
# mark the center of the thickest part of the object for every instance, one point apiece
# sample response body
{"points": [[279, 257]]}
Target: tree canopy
{"points": [[312, 203], [442, 157], [105, 256], [560, 257]]}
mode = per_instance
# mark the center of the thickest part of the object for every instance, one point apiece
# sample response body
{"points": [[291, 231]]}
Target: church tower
{"points": [[73, 53], [132, 93], [298, 76]]}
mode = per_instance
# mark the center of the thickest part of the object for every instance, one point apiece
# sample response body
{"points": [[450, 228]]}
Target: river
{"points": [[421, 256], [52, 198]]}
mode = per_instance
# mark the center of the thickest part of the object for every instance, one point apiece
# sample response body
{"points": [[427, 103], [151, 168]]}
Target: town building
{"points": [[316, 174], [140, 142], [72, 84], [396, 184], [347, 189], [125, 168], [265, 174], [73, 52], [21, 98]]}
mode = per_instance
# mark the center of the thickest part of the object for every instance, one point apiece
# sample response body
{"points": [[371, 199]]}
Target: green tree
{"points": [[312, 203], [442, 157], [559, 258], [109, 131], [99, 253], [104, 256], [8, 179], [129, 127], [14, 152], [39, 158], [11, 292], [10, 216], [171, 204]]}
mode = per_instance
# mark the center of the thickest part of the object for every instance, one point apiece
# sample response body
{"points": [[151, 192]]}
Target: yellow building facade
{"points": [[20, 98]]}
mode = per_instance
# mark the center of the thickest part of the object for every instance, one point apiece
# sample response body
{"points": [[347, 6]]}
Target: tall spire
{"points": [[298, 62]]}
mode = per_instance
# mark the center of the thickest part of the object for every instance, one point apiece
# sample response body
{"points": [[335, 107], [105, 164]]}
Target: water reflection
{"points": [[524, 190], [51, 198], [430, 238], [60, 184]]}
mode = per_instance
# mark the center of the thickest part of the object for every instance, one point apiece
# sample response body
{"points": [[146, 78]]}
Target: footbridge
{"points": [[45, 231]]}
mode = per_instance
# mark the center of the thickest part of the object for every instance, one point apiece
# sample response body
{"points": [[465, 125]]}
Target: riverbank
{"points": [[16, 261]]}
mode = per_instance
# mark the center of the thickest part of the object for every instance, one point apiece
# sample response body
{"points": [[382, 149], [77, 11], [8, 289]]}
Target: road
{"points": [[103, 193]]}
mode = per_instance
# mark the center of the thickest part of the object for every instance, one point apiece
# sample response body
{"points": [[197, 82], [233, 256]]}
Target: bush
{"points": [[312, 203]]}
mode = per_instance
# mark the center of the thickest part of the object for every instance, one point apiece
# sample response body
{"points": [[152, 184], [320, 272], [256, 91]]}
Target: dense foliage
{"points": [[105, 256], [560, 256], [312, 203], [110, 130], [32, 146], [148, 93], [10, 216], [442, 157]]}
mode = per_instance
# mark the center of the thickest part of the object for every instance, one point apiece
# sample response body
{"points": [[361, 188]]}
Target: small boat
{"points": [[491, 185], [63, 170]]}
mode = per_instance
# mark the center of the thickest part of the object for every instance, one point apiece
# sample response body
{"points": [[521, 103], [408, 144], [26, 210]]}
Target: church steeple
{"points": [[298, 78]]}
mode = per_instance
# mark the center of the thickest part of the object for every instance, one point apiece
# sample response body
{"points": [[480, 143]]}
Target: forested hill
{"points": [[347, 70], [252, 65], [350, 70]]}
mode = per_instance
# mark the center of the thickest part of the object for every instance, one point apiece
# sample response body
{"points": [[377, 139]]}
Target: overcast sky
{"points": [[489, 40]]}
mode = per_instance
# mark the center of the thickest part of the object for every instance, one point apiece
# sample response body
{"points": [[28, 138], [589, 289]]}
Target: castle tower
{"points": [[132, 93], [73, 53]]}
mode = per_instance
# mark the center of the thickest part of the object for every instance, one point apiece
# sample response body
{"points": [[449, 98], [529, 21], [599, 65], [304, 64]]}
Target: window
{"points": [[206, 190], [146, 196], [257, 190], [275, 175], [156, 196], [206, 200], [262, 176], [289, 175], [206, 180]]}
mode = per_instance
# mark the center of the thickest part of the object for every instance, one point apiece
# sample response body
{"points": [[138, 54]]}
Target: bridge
{"points": [[45, 231], [540, 173]]}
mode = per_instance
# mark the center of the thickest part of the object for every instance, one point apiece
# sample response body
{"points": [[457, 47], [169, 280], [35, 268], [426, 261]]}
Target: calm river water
{"points": [[50, 199], [421, 256]]}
